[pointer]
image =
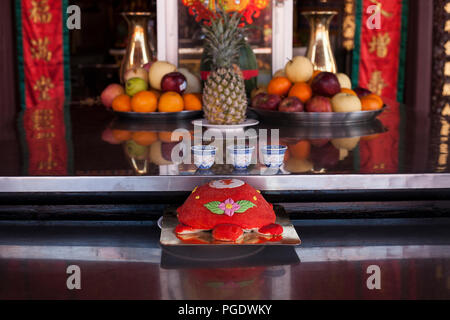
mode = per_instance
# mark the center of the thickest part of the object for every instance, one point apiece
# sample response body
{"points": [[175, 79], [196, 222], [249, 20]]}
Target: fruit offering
{"points": [[300, 88]]}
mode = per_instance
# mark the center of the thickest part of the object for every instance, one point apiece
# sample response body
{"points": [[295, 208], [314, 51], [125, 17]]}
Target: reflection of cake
{"points": [[228, 208]]}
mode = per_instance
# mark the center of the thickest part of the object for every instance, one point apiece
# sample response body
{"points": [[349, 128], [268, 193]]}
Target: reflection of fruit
{"points": [[319, 104], [122, 103], [362, 92], [174, 81], [346, 143], [194, 84], [156, 154], [299, 69], [108, 136], [348, 91], [110, 93], [319, 142], [291, 104], [371, 103], [136, 73], [344, 80], [192, 101], [157, 71], [144, 138], [299, 165], [136, 151], [279, 86], [300, 150], [344, 102], [266, 101], [302, 91], [144, 101], [371, 137], [326, 84], [135, 85], [170, 102], [325, 157], [121, 135], [166, 136]]}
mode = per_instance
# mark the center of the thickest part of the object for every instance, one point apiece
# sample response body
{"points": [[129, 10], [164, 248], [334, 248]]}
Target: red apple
{"points": [[110, 93], [291, 104], [174, 81], [326, 84], [319, 104], [326, 156], [362, 92], [147, 66], [266, 101]]}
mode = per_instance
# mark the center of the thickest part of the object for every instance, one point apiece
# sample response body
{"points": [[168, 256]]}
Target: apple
{"points": [[174, 81], [136, 73], [257, 91], [319, 104], [326, 156], [110, 93], [345, 102], [136, 151], [299, 69], [266, 101], [135, 85], [326, 84], [147, 66], [344, 80], [194, 85], [291, 104], [279, 73], [346, 143], [157, 71], [362, 92]]}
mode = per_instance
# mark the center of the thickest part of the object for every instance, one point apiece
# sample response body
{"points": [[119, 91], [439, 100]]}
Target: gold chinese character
{"points": [[447, 7], [39, 49], [446, 90], [42, 119], [383, 12], [40, 11], [377, 83], [43, 86], [48, 164], [379, 44]]}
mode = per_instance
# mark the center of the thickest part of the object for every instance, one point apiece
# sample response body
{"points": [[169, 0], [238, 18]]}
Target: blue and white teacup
{"points": [[273, 156], [241, 156], [204, 156]]}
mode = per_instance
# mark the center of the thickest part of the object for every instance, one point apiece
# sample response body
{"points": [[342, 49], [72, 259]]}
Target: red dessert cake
{"points": [[228, 208]]}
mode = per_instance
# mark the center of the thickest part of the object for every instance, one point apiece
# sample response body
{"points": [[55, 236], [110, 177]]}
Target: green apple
{"points": [[135, 85]]}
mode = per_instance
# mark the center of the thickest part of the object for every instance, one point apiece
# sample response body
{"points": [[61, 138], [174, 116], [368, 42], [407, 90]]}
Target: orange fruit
{"points": [[301, 90], [156, 92], [144, 101], [122, 103], [300, 150], [144, 138], [349, 91], [377, 97], [192, 101], [315, 73], [170, 102], [121, 135], [279, 86], [370, 103]]}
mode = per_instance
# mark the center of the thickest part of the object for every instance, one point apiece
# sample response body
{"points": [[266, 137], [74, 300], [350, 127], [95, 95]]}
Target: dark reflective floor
{"points": [[89, 141], [125, 261]]}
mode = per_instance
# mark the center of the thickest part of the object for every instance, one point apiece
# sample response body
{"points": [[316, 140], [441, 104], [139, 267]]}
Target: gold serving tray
{"points": [[204, 238]]}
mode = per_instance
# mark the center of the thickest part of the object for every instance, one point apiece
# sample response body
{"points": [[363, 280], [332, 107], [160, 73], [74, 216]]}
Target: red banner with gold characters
{"points": [[379, 65], [44, 82]]}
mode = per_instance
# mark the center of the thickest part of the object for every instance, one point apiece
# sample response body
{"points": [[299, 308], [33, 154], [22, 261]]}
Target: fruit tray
{"points": [[204, 238], [160, 116], [318, 118]]}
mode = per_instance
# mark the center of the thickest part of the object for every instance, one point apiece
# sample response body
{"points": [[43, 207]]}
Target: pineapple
{"points": [[224, 97]]}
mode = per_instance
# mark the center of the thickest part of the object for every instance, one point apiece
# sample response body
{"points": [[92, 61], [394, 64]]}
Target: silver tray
{"points": [[160, 116], [318, 118], [169, 238]]}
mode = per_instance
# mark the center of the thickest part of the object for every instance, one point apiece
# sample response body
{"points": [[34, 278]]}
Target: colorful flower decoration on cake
{"points": [[229, 207], [203, 10]]}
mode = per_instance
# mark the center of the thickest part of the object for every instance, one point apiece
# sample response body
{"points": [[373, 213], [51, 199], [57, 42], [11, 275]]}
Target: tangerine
{"points": [[145, 138], [170, 102], [144, 101], [301, 90], [121, 135], [371, 103], [377, 97], [279, 86], [348, 91], [122, 103], [301, 150], [192, 101]]}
